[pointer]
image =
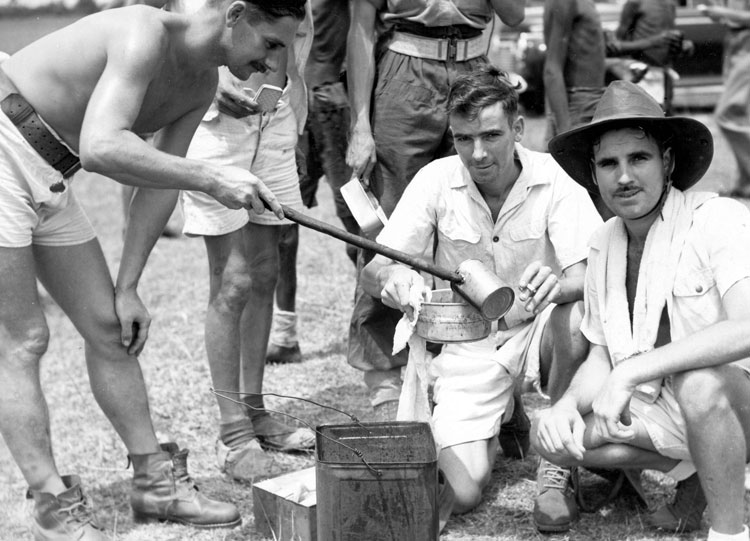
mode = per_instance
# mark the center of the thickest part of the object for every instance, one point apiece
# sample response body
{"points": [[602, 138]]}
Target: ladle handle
{"points": [[368, 244]]}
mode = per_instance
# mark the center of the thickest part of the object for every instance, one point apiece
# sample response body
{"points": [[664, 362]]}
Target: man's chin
{"points": [[241, 74]]}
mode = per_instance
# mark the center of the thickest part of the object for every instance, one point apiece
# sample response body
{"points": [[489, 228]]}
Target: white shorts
{"points": [[473, 389], [29, 212], [268, 151], [665, 424]]}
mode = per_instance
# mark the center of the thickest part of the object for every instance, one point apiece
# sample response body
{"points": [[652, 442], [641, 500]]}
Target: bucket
{"points": [[389, 494]]}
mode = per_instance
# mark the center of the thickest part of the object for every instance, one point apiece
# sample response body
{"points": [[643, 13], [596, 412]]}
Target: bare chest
{"points": [[171, 96]]}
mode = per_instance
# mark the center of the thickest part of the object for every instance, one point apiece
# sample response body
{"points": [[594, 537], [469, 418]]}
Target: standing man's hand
{"points": [[361, 155], [538, 287], [134, 320], [232, 98]]}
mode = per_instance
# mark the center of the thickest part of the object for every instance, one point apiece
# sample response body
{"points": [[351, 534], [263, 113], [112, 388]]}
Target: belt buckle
{"points": [[452, 48], [72, 169]]}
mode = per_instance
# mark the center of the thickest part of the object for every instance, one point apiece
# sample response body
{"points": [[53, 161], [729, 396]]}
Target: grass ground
{"points": [[174, 287]]}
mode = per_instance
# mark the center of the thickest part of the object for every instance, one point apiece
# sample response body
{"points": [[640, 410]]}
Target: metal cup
{"points": [[483, 289]]}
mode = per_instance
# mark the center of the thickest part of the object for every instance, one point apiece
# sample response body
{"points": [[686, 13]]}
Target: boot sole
{"points": [[147, 519], [552, 528]]}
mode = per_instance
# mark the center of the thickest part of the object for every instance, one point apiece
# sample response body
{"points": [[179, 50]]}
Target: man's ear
{"points": [[519, 125], [668, 158], [236, 11]]}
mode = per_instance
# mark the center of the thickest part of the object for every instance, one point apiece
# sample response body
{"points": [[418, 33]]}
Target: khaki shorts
{"points": [[29, 212], [264, 145], [473, 389], [665, 424]]}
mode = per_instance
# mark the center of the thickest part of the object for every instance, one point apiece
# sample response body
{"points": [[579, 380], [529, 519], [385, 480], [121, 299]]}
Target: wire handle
{"points": [[223, 394]]}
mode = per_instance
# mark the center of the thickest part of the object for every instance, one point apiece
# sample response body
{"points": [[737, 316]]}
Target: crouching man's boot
{"points": [[65, 517], [163, 490]]}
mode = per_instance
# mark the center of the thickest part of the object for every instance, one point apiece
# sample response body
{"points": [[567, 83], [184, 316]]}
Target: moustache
{"points": [[626, 190], [259, 67]]}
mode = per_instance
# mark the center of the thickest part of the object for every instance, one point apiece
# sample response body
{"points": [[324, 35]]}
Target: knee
{"points": [[233, 292], [289, 238], [24, 340], [565, 320], [559, 459], [468, 494], [701, 394], [264, 274], [565, 326]]}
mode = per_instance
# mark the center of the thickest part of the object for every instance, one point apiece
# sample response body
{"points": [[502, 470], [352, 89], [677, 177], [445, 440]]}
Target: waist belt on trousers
{"points": [[443, 49], [22, 114]]}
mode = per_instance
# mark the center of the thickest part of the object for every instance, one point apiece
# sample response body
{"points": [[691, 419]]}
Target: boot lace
{"points": [[79, 514], [555, 477]]}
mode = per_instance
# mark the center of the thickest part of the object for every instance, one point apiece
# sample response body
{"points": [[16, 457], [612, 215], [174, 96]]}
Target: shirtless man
{"points": [[98, 84], [574, 64]]}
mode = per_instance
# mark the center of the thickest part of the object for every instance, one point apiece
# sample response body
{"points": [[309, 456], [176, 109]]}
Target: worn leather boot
{"points": [[555, 508], [685, 513], [514, 436], [65, 517], [162, 490]]}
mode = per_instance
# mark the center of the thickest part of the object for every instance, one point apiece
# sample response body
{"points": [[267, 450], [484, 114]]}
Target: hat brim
{"points": [[691, 143]]}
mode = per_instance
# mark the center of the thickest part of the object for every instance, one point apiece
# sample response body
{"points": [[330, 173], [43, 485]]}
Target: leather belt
{"points": [[22, 114], [444, 49]]}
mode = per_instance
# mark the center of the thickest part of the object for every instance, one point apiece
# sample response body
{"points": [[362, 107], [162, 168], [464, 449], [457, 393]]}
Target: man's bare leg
{"points": [[717, 414], [228, 295], [24, 419], [467, 467], [78, 279], [564, 348], [261, 247]]}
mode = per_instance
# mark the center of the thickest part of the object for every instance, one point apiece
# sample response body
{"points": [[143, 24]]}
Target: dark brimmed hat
{"points": [[625, 104]]}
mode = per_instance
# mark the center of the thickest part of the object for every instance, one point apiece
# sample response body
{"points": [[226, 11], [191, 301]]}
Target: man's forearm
{"points": [[557, 98], [134, 162], [721, 343], [588, 380], [361, 63], [149, 213]]}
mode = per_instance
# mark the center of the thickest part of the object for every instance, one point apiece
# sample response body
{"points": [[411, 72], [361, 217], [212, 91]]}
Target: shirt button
{"points": [[699, 289], [495, 238]]}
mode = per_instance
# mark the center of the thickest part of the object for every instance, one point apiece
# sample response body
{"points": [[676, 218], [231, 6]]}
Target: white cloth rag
{"points": [[414, 403], [661, 255]]}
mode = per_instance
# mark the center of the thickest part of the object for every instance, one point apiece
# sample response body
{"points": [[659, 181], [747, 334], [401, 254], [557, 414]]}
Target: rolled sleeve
{"points": [[411, 226], [725, 224]]}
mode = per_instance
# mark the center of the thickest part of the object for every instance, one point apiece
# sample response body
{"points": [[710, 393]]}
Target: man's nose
{"points": [[624, 175], [479, 151], [273, 60]]}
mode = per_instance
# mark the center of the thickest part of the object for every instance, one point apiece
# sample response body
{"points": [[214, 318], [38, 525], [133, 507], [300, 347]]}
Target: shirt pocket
{"points": [[459, 239], [697, 302], [531, 231]]}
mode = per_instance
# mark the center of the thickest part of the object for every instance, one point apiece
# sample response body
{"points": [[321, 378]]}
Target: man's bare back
{"points": [[116, 74], [582, 28], [148, 63]]}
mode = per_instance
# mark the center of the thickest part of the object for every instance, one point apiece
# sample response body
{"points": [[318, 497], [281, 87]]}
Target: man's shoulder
{"points": [[445, 168], [718, 212]]}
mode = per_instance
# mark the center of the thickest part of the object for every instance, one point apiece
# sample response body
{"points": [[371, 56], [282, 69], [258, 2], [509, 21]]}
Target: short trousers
{"points": [[473, 389], [29, 212], [665, 424], [267, 150]]}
